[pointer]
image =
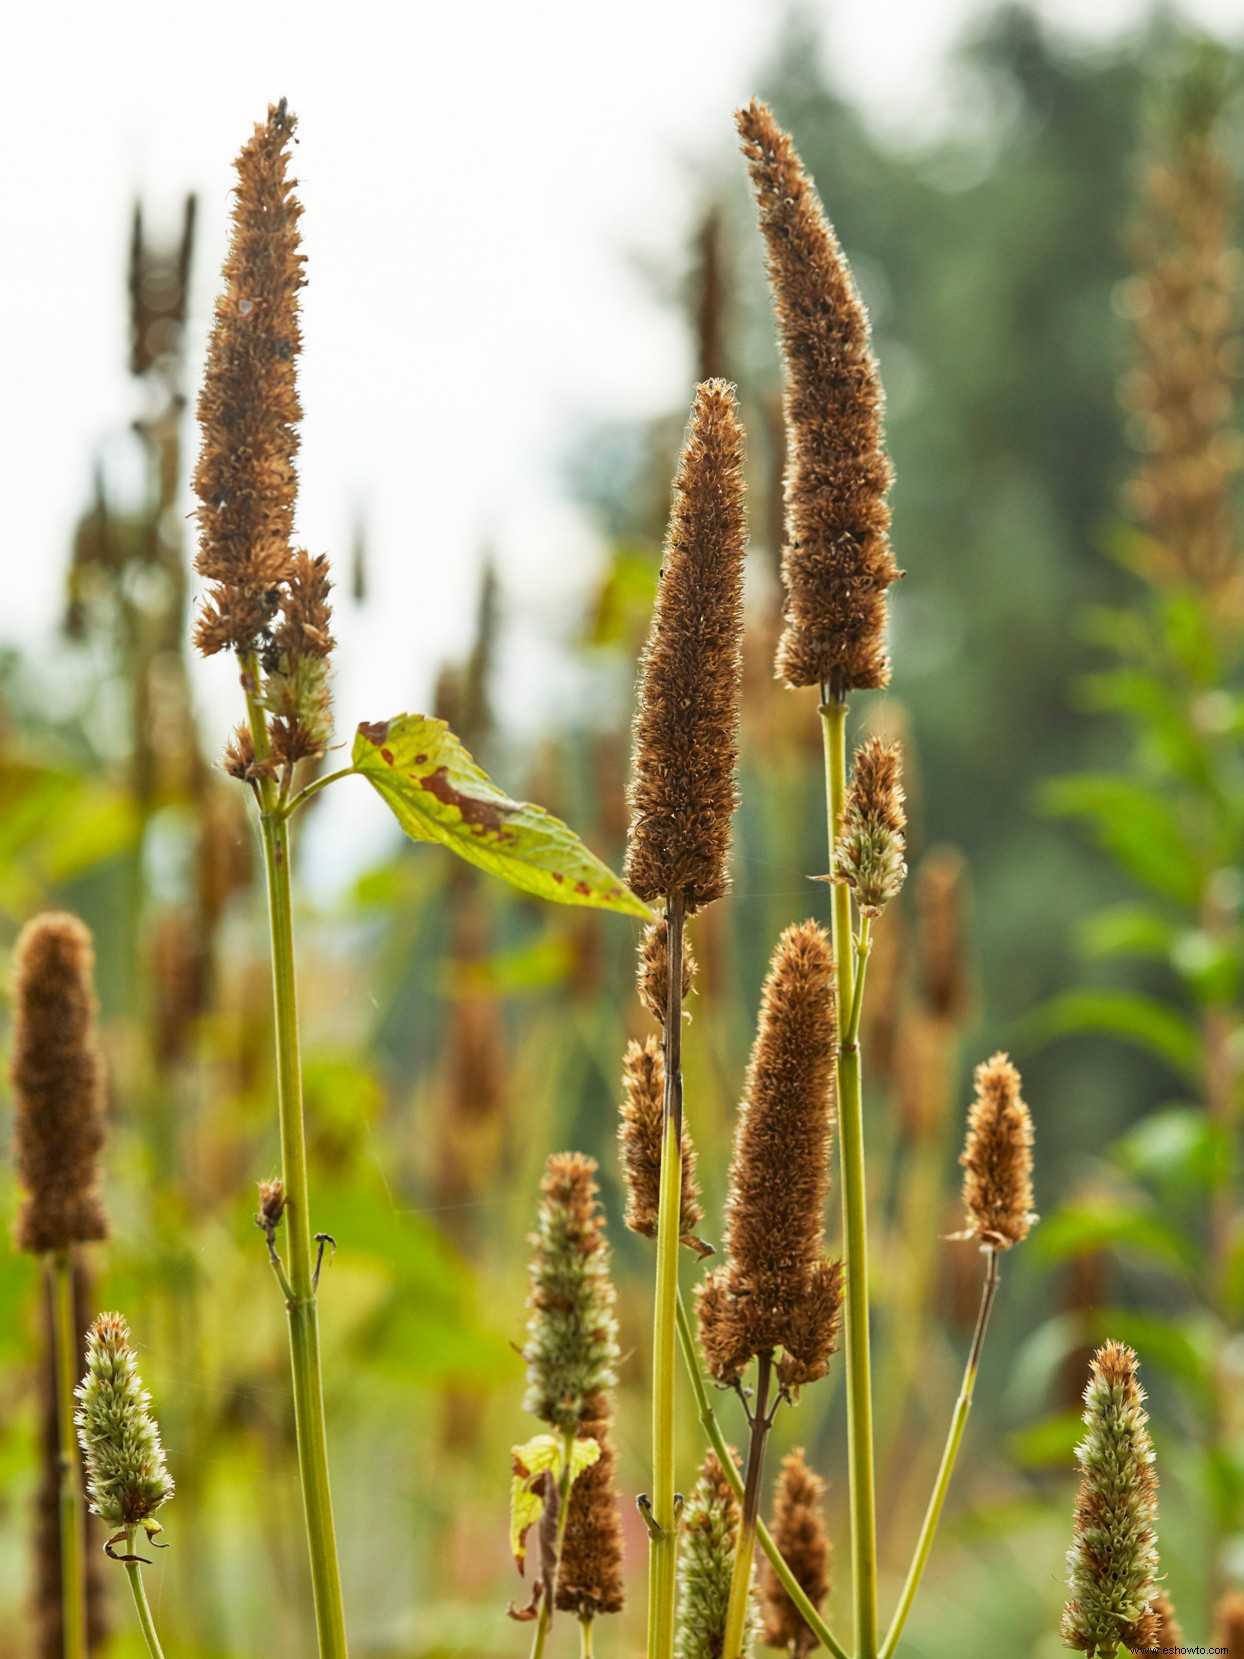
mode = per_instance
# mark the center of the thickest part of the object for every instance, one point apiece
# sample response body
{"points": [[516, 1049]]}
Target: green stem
{"points": [[585, 1637], [134, 1573], [863, 949], [958, 1424], [663, 1542], [749, 1513], [563, 1515], [304, 795], [716, 1439], [65, 1353], [861, 1478], [304, 1333]]}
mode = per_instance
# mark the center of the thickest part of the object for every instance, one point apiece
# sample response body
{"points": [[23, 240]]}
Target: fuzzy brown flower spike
{"points": [[997, 1158], [639, 1140], [249, 408], [296, 689], [653, 973], [589, 1576], [683, 790], [775, 1289], [798, 1528], [837, 563], [869, 854], [1229, 1623], [58, 1086]]}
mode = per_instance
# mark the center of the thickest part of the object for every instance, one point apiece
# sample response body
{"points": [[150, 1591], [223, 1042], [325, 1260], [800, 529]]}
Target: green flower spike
{"points": [[126, 1479]]}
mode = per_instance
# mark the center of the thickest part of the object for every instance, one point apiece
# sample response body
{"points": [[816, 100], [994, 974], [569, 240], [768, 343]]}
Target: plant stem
{"points": [[314, 788], [134, 1573], [304, 1333], [863, 1499], [563, 1515], [65, 1349], [958, 1423], [662, 1547], [717, 1440], [749, 1509], [585, 1638]]}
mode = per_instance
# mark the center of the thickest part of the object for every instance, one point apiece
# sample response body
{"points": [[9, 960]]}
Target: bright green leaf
{"points": [[1104, 1224], [542, 1455], [436, 792], [1126, 930], [1137, 825], [1180, 1146], [1137, 1019]]}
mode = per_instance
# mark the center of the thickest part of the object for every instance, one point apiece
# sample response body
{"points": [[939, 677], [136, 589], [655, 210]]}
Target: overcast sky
{"points": [[476, 178]]}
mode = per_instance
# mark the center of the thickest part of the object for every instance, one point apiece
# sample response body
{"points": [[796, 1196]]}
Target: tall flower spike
{"points": [[1113, 1559], [126, 1478], [798, 1528], [683, 792], [837, 563], [710, 1521], [997, 1158], [58, 1085], [589, 1575], [943, 956], [775, 1289], [249, 408], [639, 1140], [572, 1348], [869, 854]]}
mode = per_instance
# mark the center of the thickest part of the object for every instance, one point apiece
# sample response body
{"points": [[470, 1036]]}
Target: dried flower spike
{"points": [[869, 854], [683, 792], [572, 1348], [1113, 1559], [1229, 1623], [296, 690], [710, 1522], [837, 564], [589, 1575], [653, 975], [249, 408], [798, 1528], [640, 1141], [775, 1289], [997, 1158], [126, 1479], [943, 954], [58, 1085]]}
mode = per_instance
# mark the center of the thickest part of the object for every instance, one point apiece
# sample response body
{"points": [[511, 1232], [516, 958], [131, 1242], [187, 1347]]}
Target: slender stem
{"points": [[304, 795], [65, 1352], [134, 1573], [712, 1428], [861, 1478], [749, 1511], [958, 1423], [863, 949], [585, 1636], [541, 1632], [304, 1333], [663, 1544]]}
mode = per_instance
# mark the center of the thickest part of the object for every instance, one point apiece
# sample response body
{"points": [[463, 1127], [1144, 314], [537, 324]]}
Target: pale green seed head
{"points": [[126, 1480], [705, 1566]]}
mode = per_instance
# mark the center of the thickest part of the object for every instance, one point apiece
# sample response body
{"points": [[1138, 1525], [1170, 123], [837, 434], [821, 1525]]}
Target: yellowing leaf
{"points": [[538, 1468], [584, 1453], [436, 792]]}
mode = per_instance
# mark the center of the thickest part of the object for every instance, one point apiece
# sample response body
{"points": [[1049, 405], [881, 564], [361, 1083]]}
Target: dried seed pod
{"points": [[58, 1085], [640, 1138], [653, 974], [869, 853], [683, 791], [798, 1528], [775, 1290], [997, 1158], [837, 564], [1113, 1560], [126, 1477], [572, 1347]]}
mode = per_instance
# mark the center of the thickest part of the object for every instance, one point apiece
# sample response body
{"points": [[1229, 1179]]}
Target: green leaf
{"points": [[1051, 1441], [1134, 1018], [1126, 930], [1105, 1224], [1183, 1348], [1137, 826], [436, 792], [1180, 1146]]}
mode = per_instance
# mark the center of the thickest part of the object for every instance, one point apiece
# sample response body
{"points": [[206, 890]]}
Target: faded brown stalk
{"points": [[997, 1158], [837, 563], [683, 791], [58, 1086], [775, 1289], [798, 1528]]}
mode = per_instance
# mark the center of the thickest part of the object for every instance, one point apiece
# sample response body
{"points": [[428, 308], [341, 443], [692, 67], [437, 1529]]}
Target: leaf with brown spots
{"points": [[436, 792]]}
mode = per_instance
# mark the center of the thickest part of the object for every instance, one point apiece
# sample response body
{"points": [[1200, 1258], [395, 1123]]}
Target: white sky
{"points": [[476, 178]]}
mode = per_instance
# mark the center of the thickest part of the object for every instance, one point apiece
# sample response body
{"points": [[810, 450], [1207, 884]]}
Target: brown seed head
{"points": [[58, 1085], [653, 975], [775, 1290], [869, 853], [1229, 1623], [249, 408], [798, 1528], [1169, 1635], [683, 791], [943, 954], [589, 1577], [271, 1204], [837, 563], [997, 1158], [640, 1139], [296, 689]]}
